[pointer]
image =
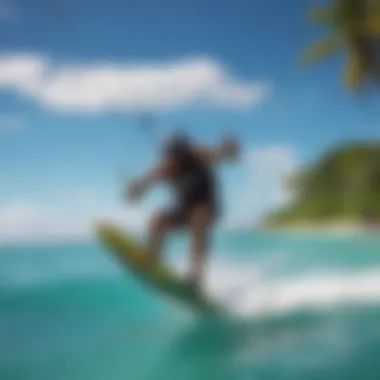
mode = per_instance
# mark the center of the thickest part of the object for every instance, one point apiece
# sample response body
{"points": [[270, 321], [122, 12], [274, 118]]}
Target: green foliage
{"points": [[353, 27], [321, 49], [343, 184]]}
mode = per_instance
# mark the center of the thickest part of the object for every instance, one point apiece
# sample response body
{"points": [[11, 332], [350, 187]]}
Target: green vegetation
{"points": [[354, 27], [342, 186]]}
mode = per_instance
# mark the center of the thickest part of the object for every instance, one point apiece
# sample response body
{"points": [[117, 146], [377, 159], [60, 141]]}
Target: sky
{"points": [[87, 88]]}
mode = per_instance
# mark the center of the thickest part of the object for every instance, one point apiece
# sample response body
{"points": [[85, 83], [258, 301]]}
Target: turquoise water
{"points": [[301, 307]]}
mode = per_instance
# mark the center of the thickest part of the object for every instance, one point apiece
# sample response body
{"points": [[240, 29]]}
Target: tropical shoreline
{"points": [[332, 227]]}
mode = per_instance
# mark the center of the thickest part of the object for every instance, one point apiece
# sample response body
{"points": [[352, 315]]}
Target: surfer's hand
{"points": [[135, 190], [230, 147]]}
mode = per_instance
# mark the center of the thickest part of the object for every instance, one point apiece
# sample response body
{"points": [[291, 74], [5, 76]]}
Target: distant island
{"points": [[340, 190]]}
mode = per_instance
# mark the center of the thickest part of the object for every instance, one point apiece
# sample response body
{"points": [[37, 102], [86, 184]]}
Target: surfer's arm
{"points": [[228, 149], [159, 172]]}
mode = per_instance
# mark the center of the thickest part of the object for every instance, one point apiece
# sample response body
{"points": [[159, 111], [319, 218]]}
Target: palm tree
{"points": [[355, 28]]}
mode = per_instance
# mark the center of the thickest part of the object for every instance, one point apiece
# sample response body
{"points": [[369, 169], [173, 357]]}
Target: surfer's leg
{"points": [[199, 223], [158, 227]]}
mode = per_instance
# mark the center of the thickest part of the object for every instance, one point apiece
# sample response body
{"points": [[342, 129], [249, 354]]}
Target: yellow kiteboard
{"points": [[159, 276]]}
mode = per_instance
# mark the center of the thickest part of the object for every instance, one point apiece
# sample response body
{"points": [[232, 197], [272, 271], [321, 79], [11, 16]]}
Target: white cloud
{"points": [[11, 123], [129, 87], [268, 167], [260, 189], [27, 221], [265, 169]]}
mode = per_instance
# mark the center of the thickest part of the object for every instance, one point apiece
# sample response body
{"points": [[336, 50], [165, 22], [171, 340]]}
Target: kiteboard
{"points": [[132, 255]]}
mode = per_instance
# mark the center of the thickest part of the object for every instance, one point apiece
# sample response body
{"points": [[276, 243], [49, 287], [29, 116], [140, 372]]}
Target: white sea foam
{"points": [[245, 287], [249, 291]]}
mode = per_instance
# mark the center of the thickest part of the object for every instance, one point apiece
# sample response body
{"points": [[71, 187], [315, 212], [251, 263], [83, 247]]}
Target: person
{"points": [[188, 169]]}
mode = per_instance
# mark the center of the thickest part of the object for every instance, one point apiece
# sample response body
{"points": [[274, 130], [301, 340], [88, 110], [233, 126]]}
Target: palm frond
{"points": [[371, 25], [348, 13], [355, 72], [321, 14], [321, 49]]}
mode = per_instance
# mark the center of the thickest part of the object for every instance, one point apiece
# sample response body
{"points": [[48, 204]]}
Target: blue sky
{"points": [[76, 76]]}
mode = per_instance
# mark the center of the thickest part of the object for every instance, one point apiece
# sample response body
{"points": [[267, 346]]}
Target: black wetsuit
{"points": [[194, 184]]}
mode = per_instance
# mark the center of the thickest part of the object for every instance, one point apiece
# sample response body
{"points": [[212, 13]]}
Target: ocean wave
{"points": [[244, 287], [253, 290]]}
